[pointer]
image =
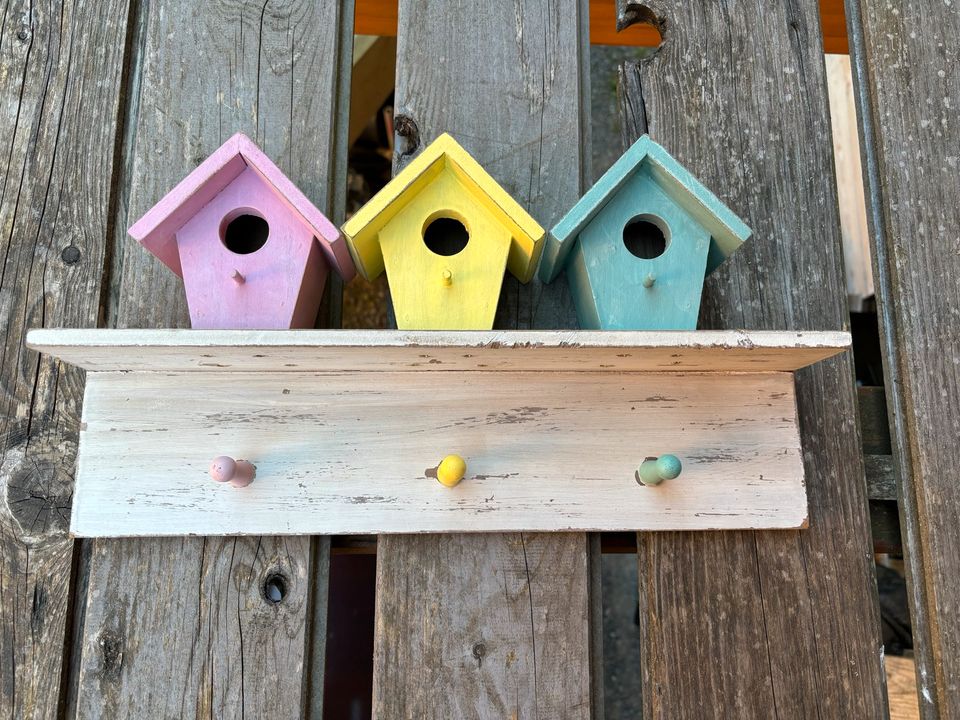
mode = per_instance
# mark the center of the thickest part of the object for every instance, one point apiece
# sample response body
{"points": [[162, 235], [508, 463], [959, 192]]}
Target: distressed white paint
{"points": [[383, 350], [553, 427]]}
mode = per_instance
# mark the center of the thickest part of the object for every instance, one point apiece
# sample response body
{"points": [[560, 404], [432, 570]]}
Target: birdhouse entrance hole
{"points": [[244, 232], [445, 236], [645, 236]]}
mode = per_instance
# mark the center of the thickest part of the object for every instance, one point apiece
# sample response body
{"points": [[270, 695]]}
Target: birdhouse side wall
{"points": [[256, 290], [616, 277], [583, 300], [424, 297], [315, 274]]}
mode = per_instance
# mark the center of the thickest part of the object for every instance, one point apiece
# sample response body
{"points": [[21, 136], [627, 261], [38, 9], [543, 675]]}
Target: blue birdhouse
{"points": [[639, 244]]}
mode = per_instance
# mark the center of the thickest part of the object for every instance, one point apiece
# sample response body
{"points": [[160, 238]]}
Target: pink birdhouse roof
{"points": [[157, 229]]}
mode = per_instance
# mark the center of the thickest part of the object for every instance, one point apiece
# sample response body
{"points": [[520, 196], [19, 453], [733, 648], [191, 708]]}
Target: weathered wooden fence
{"points": [[107, 104]]}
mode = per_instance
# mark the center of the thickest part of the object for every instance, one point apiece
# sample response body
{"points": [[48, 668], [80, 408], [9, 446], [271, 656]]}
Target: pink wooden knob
{"points": [[239, 473]]}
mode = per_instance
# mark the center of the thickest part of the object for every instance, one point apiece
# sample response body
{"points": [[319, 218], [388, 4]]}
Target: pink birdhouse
{"points": [[253, 252]]}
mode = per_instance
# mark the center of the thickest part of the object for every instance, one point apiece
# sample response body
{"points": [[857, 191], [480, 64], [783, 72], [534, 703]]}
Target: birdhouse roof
{"points": [[157, 229], [728, 231], [442, 154]]}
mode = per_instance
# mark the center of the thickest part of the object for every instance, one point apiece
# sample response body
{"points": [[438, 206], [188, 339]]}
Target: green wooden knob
{"points": [[654, 470], [669, 466]]}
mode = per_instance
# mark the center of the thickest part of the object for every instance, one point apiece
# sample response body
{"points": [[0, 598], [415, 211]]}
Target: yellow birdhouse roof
{"points": [[443, 154]]}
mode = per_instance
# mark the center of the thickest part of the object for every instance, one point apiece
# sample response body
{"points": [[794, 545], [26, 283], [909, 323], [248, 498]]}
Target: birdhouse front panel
{"points": [[444, 231], [253, 251], [644, 257], [445, 255], [249, 262], [638, 244]]}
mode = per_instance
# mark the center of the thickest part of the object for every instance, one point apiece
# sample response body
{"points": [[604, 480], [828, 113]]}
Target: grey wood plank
{"points": [[61, 68], [908, 85], [493, 626], [184, 627], [776, 624]]}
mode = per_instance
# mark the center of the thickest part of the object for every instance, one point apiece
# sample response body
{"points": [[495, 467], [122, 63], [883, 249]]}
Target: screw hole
{"points": [[644, 237], [275, 588], [245, 233], [445, 236]]}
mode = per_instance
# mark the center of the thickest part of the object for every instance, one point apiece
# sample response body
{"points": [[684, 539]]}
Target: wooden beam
{"points": [[797, 633], [379, 17], [220, 627], [61, 80], [906, 75], [493, 625]]}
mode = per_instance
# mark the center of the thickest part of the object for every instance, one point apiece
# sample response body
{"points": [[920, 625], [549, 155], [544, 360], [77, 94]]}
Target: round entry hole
{"points": [[644, 237]]}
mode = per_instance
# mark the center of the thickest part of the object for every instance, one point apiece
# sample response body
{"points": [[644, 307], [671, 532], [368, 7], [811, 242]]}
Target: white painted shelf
{"points": [[345, 426]]}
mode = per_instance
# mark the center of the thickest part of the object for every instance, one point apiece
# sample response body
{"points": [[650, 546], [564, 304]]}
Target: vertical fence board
{"points": [[761, 624], [498, 625], [181, 627], [905, 60], [61, 68]]}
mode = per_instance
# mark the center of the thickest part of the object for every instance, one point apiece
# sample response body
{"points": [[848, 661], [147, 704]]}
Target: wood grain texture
{"points": [[797, 634], [180, 628], [471, 643], [902, 688], [379, 17], [59, 129], [908, 85], [221, 351], [850, 193], [513, 91], [357, 453]]}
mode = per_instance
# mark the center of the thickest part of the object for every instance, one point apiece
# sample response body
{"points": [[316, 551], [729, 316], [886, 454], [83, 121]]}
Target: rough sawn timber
{"points": [[497, 625], [61, 68], [753, 624], [181, 627], [907, 77]]}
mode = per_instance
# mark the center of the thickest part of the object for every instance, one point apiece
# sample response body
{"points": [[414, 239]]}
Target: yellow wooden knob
{"points": [[446, 277], [451, 470]]}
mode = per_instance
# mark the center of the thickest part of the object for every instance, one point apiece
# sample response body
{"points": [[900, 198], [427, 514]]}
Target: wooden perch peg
{"points": [[654, 470], [238, 278], [451, 470], [446, 277], [239, 473]]}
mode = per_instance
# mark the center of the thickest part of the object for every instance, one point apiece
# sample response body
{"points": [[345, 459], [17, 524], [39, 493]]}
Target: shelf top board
{"points": [[108, 350]]}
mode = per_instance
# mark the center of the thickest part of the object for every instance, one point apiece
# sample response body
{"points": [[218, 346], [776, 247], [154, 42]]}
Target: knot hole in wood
{"points": [[408, 131], [640, 13], [274, 588]]}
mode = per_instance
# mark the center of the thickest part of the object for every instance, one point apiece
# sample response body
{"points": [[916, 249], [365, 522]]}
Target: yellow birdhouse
{"points": [[444, 231]]}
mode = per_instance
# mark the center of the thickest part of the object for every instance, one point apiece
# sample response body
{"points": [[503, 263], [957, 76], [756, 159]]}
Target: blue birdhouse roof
{"points": [[728, 232]]}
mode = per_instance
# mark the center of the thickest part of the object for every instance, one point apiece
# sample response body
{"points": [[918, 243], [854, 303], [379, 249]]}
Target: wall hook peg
{"points": [[239, 473], [451, 470], [654, 470]]}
